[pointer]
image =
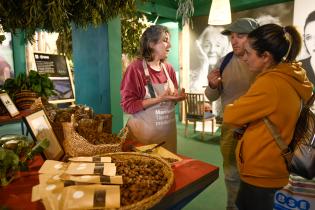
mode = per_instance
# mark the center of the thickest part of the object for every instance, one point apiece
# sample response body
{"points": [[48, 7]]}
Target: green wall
{"points": [[115, 66], [97, 69], [91, 69], [173, 57], [19, 57]]}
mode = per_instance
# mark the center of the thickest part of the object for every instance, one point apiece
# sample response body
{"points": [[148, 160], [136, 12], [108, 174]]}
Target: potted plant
{"points": [[24, 89], [15, 153]]}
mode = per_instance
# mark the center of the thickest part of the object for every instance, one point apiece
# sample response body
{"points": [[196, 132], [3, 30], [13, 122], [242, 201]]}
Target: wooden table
{"points": [[191, 177], [7, 119]]}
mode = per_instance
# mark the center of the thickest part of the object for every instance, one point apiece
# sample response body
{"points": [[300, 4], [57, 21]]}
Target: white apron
{"points": [[156, 123]]}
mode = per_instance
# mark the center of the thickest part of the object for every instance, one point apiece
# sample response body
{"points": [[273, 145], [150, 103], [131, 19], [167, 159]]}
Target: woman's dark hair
{"points": [[310, 18], [283, 43], [151, 35]]}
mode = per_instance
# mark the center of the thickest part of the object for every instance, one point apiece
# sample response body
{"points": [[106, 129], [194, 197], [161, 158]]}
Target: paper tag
{"points": [[51, 191], [91, 197], [91, 159], [108, 169], [53, 167], [93, 179]]}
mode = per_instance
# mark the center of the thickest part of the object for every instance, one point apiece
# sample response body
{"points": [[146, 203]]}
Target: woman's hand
{"points": [[168, 95], [182, 95]]}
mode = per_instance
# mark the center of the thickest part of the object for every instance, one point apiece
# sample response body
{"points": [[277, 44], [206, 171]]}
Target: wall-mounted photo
{"points": [[209, 47], [63, 89], [304, 20], [59, 72], [6, 58]]}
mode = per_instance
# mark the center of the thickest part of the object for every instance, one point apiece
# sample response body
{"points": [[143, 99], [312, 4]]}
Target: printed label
{"points": [[285, 201]]}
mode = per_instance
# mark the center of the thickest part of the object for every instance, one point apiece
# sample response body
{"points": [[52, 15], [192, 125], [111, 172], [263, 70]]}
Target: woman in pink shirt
{"points": [[149, 91]]}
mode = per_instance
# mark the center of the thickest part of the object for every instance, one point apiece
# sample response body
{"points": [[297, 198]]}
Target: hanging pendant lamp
{"points": [[220, 12]]}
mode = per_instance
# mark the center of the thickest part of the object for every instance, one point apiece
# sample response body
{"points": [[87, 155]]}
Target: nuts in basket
{"points": [[141, 179], [93, 131]]}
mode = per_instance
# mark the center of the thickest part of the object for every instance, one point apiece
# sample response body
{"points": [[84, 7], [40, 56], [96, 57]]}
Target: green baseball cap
{"points": [[241, 26]]}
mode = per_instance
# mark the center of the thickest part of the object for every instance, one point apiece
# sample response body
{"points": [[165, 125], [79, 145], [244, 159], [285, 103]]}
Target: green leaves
{"points": [[185, 10], [16, 158], [39, 147], [57, 15], [9, 162], [131, 31], [40, 84]]}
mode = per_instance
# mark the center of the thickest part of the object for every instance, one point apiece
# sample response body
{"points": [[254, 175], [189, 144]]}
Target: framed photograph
{"points": [[41, 129], [6, 59], [9, 105], [58, 70]]}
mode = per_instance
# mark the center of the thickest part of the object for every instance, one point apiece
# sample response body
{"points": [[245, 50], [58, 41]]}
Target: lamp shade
{"points": [[220, 12]]}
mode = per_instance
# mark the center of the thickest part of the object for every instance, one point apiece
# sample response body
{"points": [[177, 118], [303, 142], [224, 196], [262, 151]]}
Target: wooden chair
{"points": [[195, 111]]}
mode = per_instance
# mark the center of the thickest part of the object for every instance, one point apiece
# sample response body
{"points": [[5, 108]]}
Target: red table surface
{"points": [[17, 195]]}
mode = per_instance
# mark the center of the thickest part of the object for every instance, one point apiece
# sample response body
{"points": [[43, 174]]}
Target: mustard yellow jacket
{"points": [[276, 94]]}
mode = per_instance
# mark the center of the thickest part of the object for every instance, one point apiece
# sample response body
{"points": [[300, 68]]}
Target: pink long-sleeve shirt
{"points": [[132, 88]]}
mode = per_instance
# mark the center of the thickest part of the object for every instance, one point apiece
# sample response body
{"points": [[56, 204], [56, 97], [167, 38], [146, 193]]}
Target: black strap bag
{"points": [[299, 155]]}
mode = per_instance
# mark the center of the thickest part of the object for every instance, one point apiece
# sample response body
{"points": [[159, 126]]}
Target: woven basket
{"points": [[155, 198], [75, 145], [37, 104], [51, 113], [24, 99], [58, 130]]}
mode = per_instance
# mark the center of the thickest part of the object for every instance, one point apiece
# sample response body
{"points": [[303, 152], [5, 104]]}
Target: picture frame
{"points": [[6, 58], [40, 129], [58, 70], [9, 105]]}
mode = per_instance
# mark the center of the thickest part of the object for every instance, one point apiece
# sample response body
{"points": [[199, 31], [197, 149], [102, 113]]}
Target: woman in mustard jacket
{"points": [[276, 93]]}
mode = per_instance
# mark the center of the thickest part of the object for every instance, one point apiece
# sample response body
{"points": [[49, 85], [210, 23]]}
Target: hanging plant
{"points": [[185, 10], [57, 15], [64, 43], [132, 26]]}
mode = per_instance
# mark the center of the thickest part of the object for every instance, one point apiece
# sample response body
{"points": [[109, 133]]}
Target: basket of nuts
{"points": [[89, 142], [57, 116], [146, 179]]}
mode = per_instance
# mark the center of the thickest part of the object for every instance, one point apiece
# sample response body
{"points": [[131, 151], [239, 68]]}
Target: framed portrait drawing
{"points": [[41, 129], [304, 20], [302, 10], [9, 105]]}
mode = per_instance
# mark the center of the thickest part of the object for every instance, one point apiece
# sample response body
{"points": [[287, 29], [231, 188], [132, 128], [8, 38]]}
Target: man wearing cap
{"points": [[232, 82]]}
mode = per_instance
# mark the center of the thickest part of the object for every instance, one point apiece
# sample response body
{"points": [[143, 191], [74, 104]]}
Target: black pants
{"points": [[255, 198]]}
